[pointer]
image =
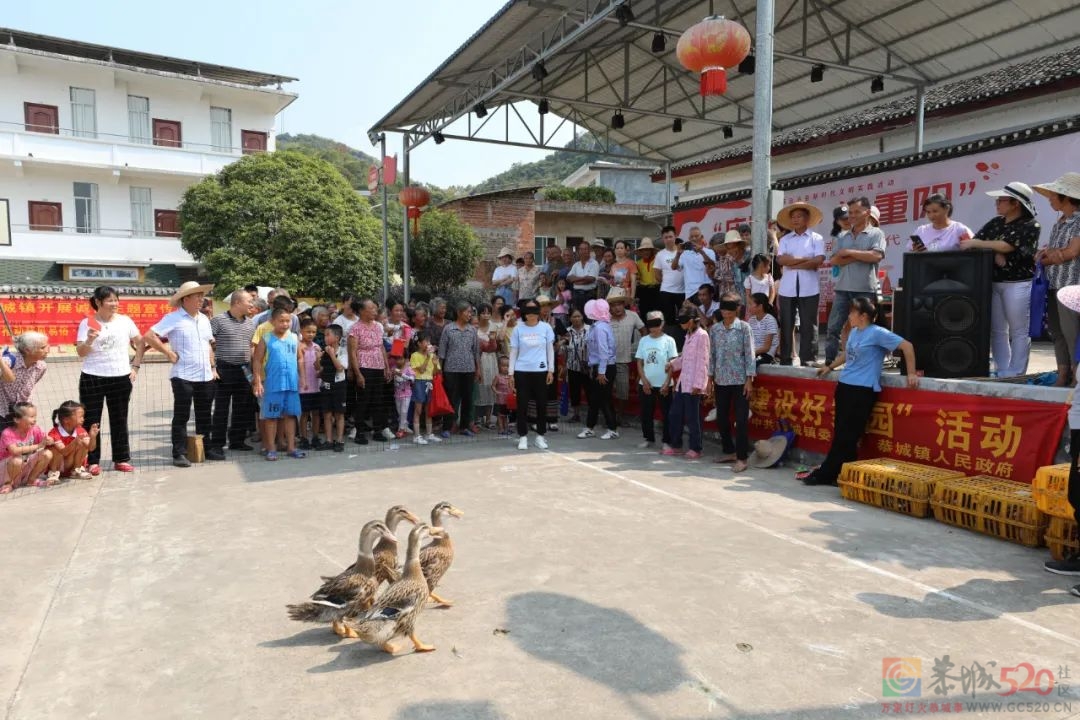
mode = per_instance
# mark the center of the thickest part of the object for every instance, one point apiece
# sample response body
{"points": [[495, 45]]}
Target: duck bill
{"points": [[411, 518], [456, 513]]}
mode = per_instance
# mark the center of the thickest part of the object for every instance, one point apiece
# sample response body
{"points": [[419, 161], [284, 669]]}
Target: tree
{"points": [[283, 218], [445, 253]]}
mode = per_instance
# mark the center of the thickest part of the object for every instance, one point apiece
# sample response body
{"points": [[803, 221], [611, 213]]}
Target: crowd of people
{"points": [[676, 326]]}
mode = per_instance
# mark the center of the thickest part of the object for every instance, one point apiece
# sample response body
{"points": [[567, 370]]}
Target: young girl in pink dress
{"points": [[24, 451]]}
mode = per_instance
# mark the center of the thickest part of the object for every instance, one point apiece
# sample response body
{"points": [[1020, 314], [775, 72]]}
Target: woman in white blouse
{"points": [[108, 373], [942, 232]]}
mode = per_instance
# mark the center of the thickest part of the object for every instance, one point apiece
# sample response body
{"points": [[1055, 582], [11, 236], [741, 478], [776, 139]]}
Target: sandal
{"points": [[6, 488], [81, 474], [739, 466], [40, 483], [271, 455], [298, 454], [94, 469]]}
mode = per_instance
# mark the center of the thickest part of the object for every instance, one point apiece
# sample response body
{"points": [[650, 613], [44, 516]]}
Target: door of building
{"points": [[46, 216], [41, 118], [252, 141], [167, 223], [167, 133]]}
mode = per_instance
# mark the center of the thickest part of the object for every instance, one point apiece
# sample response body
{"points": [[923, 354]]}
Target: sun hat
{"points": [[504, 252], [654, 315], [189, 288], [598, 242], [616, 294], [1018, 191], [1067, 185], [875, 216], [732, 237], [645, 244], [768, 452], [543, 299], [784, 216], [1070, 297], [303, 307], [598, 310]]}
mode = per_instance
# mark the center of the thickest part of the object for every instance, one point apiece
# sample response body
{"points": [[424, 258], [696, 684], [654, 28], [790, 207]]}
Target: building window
{"points": [[101, 274], [86, 207], [139, 119], [83, 113], [540, 246], [142, 212], [221, 129]]}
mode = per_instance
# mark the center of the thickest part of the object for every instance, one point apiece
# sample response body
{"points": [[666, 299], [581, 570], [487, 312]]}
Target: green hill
{"points": [[549, 170]]}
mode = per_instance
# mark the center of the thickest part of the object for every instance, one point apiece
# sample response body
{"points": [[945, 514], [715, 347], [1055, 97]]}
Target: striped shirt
{"points": [[189, 337], [694, 363], [232, 338], [459, 349]]}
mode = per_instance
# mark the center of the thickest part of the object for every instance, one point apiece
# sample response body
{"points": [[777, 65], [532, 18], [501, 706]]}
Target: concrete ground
{"points": [[594, 580]]}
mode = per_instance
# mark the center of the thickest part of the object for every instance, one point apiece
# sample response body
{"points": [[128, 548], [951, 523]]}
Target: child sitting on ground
{"points": [[71, 442], [424, 363], [332, 393], [24, 451], [277, 383], [501, 387], [403, 390], [307, 360]]}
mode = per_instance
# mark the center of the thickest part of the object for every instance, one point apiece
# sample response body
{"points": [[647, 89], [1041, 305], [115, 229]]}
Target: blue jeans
{"points": [[506, 292], [685, 410], [841, 306]]}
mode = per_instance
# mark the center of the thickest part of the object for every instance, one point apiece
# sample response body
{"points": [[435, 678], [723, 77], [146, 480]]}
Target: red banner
{"points": [[978, 435], [59, 317]]}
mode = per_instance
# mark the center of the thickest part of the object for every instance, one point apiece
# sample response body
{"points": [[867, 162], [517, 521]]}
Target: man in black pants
{"points": [[233, 330], [459, 356], [802, 251]]}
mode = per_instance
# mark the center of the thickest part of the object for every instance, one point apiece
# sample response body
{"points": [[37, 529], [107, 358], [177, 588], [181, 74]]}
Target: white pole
{"points": [[763, 81], [385, 228], [406, 285], [920, 117]]}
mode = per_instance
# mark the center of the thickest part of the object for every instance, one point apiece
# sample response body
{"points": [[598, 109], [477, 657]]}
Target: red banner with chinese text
{"points": [[978, 435], [59, 317]]}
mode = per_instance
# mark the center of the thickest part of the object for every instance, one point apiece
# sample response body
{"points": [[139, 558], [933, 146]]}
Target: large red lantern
{"points": [[710, 47], [414, 198]]}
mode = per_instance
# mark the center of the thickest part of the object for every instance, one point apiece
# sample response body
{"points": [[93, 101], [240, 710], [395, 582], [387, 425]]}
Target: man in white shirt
{"points": [[691, 259], [671, 281], [191, 352], [582, 277], [802, 251]]}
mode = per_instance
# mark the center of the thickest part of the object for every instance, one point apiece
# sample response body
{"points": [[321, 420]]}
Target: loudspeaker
{"points": [[945, 311]]}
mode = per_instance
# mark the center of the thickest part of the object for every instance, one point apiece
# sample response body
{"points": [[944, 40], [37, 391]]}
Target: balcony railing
{"points": [[101, 232], [126, 139]]}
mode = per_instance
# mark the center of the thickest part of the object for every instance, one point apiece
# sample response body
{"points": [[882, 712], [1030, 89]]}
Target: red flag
{"points": [[390, 169]]}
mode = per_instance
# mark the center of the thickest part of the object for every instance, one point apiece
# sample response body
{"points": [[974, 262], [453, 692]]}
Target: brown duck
{"points": [[386, 550], [437, 556]]}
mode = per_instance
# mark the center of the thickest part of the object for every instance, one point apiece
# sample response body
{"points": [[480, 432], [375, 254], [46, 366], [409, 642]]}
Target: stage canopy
{"points": [[602, 56]]}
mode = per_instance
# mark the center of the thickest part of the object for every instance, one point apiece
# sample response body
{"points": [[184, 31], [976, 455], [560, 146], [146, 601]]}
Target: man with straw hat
{"points": [[858, 251], [194, 370], [648, 281], [802, 251], [1061, 258], [505, 275], [627, 327]]}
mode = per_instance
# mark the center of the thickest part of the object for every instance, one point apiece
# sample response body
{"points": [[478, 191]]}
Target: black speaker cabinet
{"points": [[945, 311]]}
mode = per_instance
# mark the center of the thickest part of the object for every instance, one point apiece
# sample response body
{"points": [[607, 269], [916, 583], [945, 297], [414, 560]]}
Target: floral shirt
{"points": [[25, 379], [1068, 272], [1022, 234], [369, 344], [577, 351], [528, 281], [725, 275], [732, 353]]}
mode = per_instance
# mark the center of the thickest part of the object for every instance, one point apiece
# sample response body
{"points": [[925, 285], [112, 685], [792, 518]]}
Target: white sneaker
{"points": [[419, 440], [711, 416], [586, 433], [523, 442], [645, 445], [610, 435], [388, 433], [434, 438], [553, 427], [541, 443]]}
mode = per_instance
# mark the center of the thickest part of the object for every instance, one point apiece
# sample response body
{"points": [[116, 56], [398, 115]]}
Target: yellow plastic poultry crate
{"points": [[1051, 490], [896, 485], [1062, 536], [1002, 508]]}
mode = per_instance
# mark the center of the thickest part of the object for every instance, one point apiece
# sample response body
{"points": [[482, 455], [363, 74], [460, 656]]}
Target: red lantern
{"points": [[710, 47], [414, 198]]}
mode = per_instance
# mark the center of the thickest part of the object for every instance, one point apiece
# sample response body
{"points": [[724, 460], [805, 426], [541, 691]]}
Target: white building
{"points": [[97, 145]]}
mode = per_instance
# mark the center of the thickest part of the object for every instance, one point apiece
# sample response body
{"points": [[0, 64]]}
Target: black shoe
{"points": [[240, 447], [215, 454], [181, 461], [320, 444], [304, 444], [361, 438], [815, 479], [1069, 566], [338, 447]]}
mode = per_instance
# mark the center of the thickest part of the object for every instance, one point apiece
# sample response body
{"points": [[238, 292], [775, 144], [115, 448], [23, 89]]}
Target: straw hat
{"points": [[875, 216], [504, 252], [1070, 297], [1067, 185], [543, 299], [616, 294], [645, 244], [189, 288], [733, 237], [1018, 191], [768, 452], [598, 242], [784, 216]]}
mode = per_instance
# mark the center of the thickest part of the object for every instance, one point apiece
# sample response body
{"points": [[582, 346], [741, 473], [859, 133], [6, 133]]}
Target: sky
{"points": [[356, 59]]}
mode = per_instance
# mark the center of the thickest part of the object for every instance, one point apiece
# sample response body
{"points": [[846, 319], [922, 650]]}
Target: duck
{"points": [[395, 612], [437, 556], [352, 589], [386, 550]]}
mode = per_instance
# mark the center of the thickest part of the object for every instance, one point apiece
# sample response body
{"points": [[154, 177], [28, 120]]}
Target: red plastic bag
{"points": [[511, 401], [439, 403], [397, 348]]}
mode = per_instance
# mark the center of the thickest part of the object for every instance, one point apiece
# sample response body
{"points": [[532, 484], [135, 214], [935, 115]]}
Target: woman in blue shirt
{"points": [[601, 349], [859, 385], [532, 367]]}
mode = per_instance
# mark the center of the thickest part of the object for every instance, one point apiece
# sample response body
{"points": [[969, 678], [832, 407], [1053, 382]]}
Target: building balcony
{"points": [[102, 246], [66, 147]]}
